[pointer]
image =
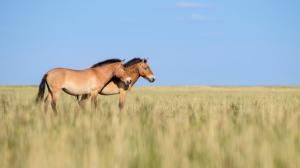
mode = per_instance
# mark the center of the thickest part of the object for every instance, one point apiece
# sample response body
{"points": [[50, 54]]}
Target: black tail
{"points": [[41, 92]]}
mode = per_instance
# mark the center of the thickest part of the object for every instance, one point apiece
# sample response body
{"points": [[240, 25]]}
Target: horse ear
{"points": [[145, 60]]}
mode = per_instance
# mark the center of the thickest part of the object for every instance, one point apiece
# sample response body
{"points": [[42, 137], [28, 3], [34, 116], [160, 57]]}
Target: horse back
{"points": [[60, 76]]}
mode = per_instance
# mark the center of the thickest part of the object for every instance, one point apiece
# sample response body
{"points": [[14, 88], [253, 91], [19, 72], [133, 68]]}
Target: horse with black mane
{"points": [[87, 82], [135, 68]]}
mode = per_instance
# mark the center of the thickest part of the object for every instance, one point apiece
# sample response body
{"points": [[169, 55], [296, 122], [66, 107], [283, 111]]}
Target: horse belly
{"points": [[76, 88]]}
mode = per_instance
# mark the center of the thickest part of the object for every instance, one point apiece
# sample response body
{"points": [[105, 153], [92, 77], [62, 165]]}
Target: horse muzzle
{"points": [[151, 79], [127, 81]]}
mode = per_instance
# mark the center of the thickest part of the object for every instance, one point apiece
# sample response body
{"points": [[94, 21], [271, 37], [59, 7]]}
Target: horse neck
{"points": [[133, 73]]}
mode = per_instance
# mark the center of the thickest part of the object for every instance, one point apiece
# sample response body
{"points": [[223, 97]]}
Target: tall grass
{"points": [[170, 127]]}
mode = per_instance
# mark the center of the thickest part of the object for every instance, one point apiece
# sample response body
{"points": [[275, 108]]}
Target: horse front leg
{"points": [[94, 99], [83, 100], [122, 97]]}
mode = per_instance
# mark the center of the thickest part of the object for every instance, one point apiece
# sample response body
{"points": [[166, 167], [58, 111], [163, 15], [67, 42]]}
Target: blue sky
{"points": [[201, 42]]}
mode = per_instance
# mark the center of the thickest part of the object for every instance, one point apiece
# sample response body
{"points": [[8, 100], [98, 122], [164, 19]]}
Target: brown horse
{"points": [[78, 82], [135, 68]]}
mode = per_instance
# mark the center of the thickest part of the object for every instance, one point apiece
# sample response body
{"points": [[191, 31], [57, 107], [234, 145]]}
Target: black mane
{"points": [[109, 61], [133, 61]]}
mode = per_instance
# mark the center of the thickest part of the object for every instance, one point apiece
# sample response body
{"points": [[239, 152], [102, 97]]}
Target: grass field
{"points": [[170, 127]]}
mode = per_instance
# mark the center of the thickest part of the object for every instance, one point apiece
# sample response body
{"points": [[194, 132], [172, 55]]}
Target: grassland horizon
{"points": [[162, 126]]}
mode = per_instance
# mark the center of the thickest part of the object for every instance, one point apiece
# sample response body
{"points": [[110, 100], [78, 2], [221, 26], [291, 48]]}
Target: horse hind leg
{"points": [[46, 103], [54, 97]]}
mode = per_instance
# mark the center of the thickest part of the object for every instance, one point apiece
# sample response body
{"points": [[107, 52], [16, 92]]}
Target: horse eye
{"points": [[145, 68]]}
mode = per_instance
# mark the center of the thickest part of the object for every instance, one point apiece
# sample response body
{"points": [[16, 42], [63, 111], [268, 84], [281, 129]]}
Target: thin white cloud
{"points": [[197, 17], [192, 5], [196, 6]]}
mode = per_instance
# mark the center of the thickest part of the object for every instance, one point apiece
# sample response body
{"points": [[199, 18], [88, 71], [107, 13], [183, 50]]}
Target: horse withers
{"points": [[78, 82]]}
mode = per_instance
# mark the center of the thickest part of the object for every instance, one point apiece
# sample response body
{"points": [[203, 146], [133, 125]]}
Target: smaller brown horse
{"points": [[77, 82], [135, 68]]}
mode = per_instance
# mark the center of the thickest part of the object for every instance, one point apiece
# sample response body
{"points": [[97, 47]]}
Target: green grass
{"points": [[170, 127]]}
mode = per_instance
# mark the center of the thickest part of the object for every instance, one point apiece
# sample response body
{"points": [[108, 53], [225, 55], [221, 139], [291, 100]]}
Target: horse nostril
{"points": [[128, 81], [153, 79]]}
